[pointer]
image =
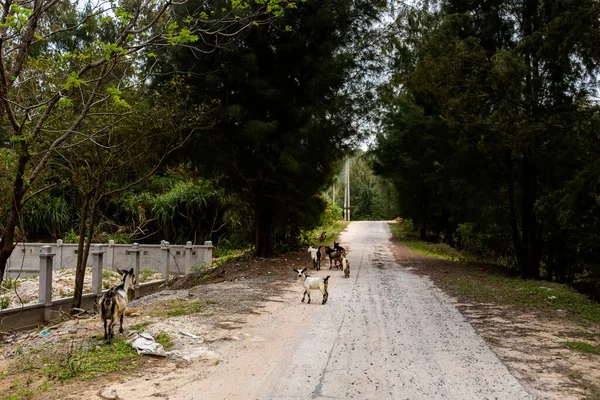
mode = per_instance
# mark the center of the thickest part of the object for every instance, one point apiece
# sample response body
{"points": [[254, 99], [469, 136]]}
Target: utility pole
{"points": [[347, 190], [348, 185]]}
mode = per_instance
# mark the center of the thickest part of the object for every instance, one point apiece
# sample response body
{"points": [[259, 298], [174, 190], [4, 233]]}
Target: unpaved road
{"points": [[385, 333]]}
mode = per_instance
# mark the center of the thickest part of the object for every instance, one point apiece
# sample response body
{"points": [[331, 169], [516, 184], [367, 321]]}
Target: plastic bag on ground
{"points": [[144, 343]]}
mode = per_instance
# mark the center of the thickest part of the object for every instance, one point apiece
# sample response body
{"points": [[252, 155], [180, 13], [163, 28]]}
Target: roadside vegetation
{"points": [[35, 370], [477, 280]]}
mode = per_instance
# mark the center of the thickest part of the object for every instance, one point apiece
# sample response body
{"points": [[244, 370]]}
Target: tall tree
{"points": [[285, 116]]}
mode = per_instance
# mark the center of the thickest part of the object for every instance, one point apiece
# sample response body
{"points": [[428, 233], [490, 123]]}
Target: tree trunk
{"points": [[514, 225], [7, 240], [90, 204], [80, 268], [529, 225], [424, 211], [263, 225]]}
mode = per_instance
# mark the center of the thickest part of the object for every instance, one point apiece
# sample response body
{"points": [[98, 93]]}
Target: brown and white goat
{"points": [[114, 302]]}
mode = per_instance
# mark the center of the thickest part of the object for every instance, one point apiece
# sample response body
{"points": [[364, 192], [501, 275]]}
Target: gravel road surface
{"points": [[389, 334]]}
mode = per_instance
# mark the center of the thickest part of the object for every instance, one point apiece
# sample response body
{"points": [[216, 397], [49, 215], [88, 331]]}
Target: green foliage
{"points": [[490, 133], [48, 216], [178, 210], [70, 237]]}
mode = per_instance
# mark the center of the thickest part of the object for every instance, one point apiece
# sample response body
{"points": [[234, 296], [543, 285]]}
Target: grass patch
{"points": [[20, 394], [139, 327], [164, 339], [4, 302], [486, 287], [10, 284], [145, 275], [86, 362], [487, 283], [404, 233], [178, 307], [110, 278], [62, 362], [583, 347]]}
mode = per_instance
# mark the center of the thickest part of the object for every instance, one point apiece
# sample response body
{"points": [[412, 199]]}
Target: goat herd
{"points": [[336, 254], [114, 302]]}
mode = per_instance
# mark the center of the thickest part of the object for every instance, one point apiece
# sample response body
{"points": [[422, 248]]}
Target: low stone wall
{"points": [[181, 259]]}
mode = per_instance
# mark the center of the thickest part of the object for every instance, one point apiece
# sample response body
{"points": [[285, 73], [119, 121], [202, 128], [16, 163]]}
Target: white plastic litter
{"points": [[144, 343], [190, 335]]}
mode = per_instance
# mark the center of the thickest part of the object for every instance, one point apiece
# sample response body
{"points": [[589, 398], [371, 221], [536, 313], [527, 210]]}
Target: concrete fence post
{"points": [[46, 260], [58, 261], [188, 258], [134, 254], [207, 255], [110, 261], [97, 266], [166, 259]]}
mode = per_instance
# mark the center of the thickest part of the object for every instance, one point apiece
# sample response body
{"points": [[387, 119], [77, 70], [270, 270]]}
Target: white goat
{"points": [[313, 283], [114, 302], [346, 267], [316, 257]]}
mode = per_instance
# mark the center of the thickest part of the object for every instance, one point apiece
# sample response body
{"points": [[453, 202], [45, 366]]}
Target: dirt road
{"points": [[384, 334]]}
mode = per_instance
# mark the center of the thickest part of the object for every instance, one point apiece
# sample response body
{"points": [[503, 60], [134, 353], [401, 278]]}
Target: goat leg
{"points": [[111, 328], [121, 323], [305, 296], [105, 331]]}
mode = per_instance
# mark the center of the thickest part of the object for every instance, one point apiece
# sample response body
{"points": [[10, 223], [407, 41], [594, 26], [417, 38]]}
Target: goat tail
{"points": [[105, 306]]}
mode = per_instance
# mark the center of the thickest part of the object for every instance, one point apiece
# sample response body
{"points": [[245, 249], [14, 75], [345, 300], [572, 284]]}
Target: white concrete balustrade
{"points": [[165, 258]]}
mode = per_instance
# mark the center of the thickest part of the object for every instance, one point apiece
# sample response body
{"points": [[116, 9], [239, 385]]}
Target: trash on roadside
{"points": [[44, 332], [190, 335], [144, 343]]}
